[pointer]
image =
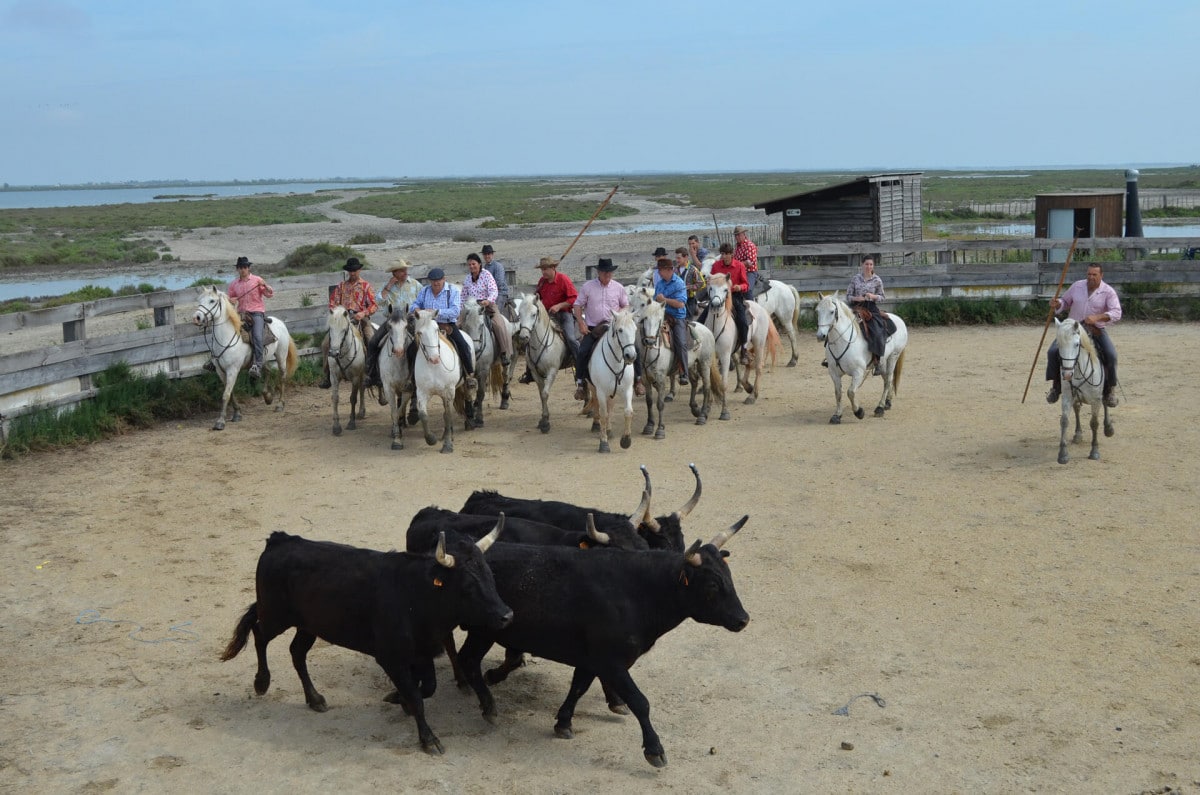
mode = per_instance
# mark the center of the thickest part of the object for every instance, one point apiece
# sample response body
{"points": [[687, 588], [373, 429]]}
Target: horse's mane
{"points": [[1085, 340], [231, 313]]}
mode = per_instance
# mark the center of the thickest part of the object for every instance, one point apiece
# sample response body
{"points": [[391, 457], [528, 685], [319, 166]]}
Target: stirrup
{"points": [[526, 378]]}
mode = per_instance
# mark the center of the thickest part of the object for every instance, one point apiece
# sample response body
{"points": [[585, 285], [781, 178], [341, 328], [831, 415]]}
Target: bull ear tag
{"points": [[437, 582]]}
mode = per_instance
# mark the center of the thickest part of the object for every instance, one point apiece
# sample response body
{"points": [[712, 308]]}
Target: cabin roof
{"points": [[853, 187]]}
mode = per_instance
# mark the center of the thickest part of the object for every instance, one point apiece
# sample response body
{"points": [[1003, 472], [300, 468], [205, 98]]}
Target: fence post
{"points": [[74, 331]]}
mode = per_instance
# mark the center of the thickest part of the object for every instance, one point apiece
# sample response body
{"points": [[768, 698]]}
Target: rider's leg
{"points": [[742, 322], [374, 345], [679, 346], [570, 332], [583, 356], [256, 339], [503, 336], [1054, 373], [1108, 355], [325, 383], [466, 353], [410, 353]]}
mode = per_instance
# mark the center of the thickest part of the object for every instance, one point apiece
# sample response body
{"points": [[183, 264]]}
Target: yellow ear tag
{"points": [[437, 582], [582, 545]]}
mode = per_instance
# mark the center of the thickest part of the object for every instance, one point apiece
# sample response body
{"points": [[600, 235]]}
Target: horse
{"points": [[659, 367], [477, 326], [347, 361], [545, 351], [222, 328], [782, 302], [762, 339], [720, 323], [610, 376], [437, 372], [393, 372], [1083, 382], [846, 353]]}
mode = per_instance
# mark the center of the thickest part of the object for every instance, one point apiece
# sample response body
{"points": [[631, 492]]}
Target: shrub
{"points": [[366, 238], [319, 257]]}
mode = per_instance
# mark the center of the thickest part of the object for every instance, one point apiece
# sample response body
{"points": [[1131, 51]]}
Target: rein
{"points": [[837, 357], [1087, 373], [610, 338], [337, 357], [542, 345], [209, 327], [437, 346]]}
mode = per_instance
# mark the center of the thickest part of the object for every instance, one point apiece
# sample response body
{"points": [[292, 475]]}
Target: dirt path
{"points": [[1028, 626]]}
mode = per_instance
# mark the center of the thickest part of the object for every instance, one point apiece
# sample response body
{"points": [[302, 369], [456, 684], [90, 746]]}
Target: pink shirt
{"points": [[598, 302], [1103, 301], [484, 288], [248, 293]]}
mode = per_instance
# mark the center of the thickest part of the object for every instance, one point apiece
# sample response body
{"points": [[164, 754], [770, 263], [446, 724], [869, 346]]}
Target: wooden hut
{"points": [[1065, 216], [877, 207]]}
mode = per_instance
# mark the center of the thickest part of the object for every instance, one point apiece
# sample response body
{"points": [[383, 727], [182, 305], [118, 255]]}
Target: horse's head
{"points": [[623, 329], [827, 314], [651, 323], [718, 291], [1073, 341], [527, 316], [640, 297], [209, 309], [398, 336]]}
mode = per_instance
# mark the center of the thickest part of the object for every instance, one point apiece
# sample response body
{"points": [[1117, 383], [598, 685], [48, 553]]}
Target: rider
{"points": [[248, 290], [747, 252], [865, 289], [496, 268], [356, 295], [557, 293], [1094, 303], [398, 293], [693, 280], [670, 291], [446, 299], [481, 285], [735, 271], [598, 299]]}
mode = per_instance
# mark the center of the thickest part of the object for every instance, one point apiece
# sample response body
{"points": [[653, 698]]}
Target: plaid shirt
{"points": [[747, 252]]}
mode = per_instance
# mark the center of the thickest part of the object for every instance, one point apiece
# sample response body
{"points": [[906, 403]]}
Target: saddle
{"points": [[865, 316], [248, 323]]}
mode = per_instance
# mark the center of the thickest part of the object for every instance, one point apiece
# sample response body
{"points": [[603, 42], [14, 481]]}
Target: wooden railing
{"points": [[61, 373]]}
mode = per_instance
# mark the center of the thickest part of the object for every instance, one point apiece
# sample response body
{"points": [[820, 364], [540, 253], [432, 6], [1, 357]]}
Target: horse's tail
{"points": [[795, 307], [293, 358], [774, 343], [896, 373], [241, 633], [496, 378], [716, 384], [460, 400]]}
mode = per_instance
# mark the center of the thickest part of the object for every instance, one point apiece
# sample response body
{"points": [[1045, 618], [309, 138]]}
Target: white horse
{"points": [[659, 367], [347, 362], [761, 339], [610, 376], [393, 372], [1083, 382], [846, 354], [639, 296], [782, 302], [222, 327], [724, 330], [437, 372], [491, 373], [546, 351]]}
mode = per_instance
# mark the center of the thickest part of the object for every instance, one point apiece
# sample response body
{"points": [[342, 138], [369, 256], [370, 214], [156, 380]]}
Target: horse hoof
{"points": [[626, 441], [447, 448], [351, 426], [564, 732], [237, 417], [695, 411], [1109, 430], [220, 426], [433, 747], [504, 404], [649, 429], [397, 445], [1094, 455], [604, 448], [1063, 458], [337, 430], [750, 400], [618, 708], [544, 426], [792, 363], [668, 398], [836, 419], [658, 435], [657, 760], [279, 408], [879, 411], [724, 415], [887, 406], [595, 426], [860, 413], [702, 420], [430, 439]]}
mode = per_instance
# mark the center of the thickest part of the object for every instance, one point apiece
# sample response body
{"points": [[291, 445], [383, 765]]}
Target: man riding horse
{"points": [[598, 299], [356, 295], [1094, 303], [557, 293]]}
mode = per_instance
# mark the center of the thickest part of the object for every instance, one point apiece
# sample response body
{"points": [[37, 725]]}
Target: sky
{"points": [[137, 90]]}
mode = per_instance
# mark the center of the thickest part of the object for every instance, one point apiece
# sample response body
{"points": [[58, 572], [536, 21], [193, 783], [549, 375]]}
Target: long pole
{"points": [[718, 228], [1050, 315], [599, 209]]}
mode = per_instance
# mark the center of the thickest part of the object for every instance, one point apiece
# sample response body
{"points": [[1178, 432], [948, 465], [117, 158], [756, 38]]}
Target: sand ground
{"points": [[1027, 626]]}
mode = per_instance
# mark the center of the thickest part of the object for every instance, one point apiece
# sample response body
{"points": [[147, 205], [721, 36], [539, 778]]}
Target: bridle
{"points": [[545, 342], [436, 347], [208, 326], [617, 365], [1068, 371], [341, 346], [833, 326]]}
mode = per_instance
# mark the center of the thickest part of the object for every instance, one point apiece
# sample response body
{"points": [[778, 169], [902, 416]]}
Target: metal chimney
{"points": [[1133, 211]]}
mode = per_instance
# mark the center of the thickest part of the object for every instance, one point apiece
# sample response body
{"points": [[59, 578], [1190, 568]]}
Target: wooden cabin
{"points": [[1065, 216], [877, 207]]}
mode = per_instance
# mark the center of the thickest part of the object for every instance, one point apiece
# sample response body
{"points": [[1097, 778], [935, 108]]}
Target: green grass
{"points": [[319, 258]]}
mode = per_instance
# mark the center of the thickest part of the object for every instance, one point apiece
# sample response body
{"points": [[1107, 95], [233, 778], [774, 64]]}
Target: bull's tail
{"points": [[896, 373], [241, 633]]}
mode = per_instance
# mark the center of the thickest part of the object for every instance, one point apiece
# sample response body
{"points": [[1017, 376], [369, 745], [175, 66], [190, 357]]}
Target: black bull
{"points": [[599, 611], [397, 607]]}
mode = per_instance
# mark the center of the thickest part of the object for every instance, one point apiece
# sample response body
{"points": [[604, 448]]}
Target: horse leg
{"points": [[752, 390], [852, 394], [603, 413], [423, 413], [670, 396], [1095, 423], [885, 398], [448, 420], [396, 404], [544, 385], [1064, 424], [836, 419], [479, 390], [354, 387], [1078, 437], [627, 436], [653, 386], [362, 397], [724, 415], [335, 387], [660, 431], [1109, 430], [226, 394], [793, 339]]}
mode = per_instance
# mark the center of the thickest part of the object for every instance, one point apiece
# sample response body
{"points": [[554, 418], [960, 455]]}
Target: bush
{"points": [[366, 238], [319, 257]]}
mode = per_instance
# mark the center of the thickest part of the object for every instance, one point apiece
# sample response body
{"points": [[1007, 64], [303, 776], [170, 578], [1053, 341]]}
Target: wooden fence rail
{"points": [[60, 374]]}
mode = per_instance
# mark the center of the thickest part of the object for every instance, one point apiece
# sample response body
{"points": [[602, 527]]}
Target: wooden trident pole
{"points": [[599, 209], [1050, 315]]}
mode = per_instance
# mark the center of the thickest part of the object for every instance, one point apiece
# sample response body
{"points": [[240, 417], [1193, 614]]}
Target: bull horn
{"points": [[638, 515], [443, 559], [647, 519], [690, 504], [594, 534], [720, 538], [692, 556], [486, 542]]}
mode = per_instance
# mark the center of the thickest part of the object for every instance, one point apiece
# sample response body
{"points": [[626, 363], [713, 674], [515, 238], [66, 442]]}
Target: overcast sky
{"points": [[118, 90]]}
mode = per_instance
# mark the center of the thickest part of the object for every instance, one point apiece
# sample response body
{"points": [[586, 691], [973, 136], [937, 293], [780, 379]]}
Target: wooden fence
{"points": [[61, 374]]}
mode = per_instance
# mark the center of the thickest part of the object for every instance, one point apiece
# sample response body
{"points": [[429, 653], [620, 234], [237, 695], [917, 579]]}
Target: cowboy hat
{"points": [[487, 249], [352, 265], [243, 262], [547, 262], [605, 265]]}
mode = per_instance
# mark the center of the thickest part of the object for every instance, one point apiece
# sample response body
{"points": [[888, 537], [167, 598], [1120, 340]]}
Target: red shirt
{"points": [[735, 271], [747, 252], [557, 290]]}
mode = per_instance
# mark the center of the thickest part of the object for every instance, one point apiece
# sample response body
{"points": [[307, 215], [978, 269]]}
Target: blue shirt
{"points": [[673, 289], [448, 303]]}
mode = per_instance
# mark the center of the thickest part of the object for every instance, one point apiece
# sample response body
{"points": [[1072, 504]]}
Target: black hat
{"points": [[487, 250], [435, 274], [605, 265], [660, 252], [352, 265], [243, 262]]}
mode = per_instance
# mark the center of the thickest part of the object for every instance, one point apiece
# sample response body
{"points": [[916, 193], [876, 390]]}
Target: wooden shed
{"points": [[1064, 215], [877, 207]]}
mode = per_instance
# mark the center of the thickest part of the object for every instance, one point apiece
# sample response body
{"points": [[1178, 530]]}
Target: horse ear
{"points": [[1057, 322], [820, 295]]}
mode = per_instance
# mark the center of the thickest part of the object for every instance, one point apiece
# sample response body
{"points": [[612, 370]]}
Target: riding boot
{"points": [[1055, 391], [526, 378]]}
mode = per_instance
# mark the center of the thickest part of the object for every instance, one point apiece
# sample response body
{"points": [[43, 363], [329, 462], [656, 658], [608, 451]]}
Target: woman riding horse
{"points": [[866, 288]]}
